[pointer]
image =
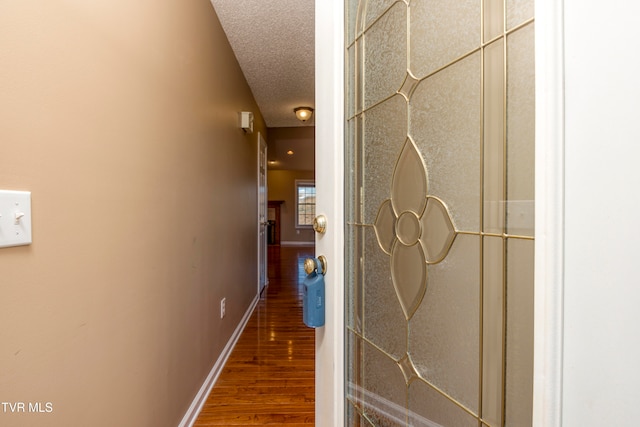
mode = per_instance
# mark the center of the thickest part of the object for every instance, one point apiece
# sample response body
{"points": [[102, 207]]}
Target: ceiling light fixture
{"points": [[303, 113], [290, 152]]}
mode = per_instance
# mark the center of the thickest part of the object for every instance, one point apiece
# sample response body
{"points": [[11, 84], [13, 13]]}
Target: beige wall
{"points": [[282, 187], [121, 118]]}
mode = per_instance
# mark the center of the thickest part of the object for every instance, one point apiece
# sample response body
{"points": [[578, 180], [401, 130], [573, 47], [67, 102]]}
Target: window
{"points": [[305, 203]]}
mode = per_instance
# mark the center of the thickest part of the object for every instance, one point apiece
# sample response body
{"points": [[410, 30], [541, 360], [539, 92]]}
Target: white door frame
{"points": [[329, 171], [549, 214], [549, 235]]}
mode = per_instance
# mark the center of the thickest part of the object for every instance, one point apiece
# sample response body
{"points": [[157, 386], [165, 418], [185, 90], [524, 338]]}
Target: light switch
{"points": [[15, 218]]}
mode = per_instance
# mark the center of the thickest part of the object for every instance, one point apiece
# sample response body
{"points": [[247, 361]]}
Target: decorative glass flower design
{"points": [[413, 227]]}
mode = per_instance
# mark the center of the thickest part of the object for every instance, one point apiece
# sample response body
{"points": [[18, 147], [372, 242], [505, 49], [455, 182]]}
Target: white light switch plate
{"points": [[15, 218]]}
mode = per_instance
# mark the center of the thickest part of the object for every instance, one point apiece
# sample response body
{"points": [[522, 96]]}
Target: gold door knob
{"points": [[310, 265], [320, 224]]}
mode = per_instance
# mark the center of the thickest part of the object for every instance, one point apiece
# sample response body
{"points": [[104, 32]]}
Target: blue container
{"points": [[313, 302]]}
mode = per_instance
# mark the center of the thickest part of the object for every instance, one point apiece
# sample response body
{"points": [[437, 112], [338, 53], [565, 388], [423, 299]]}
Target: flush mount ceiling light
{"points": [[303, 113]]}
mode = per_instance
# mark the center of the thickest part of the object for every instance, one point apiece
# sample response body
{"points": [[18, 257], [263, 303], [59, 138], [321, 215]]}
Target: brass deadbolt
{"points": [[323, 264], [320, 224]]}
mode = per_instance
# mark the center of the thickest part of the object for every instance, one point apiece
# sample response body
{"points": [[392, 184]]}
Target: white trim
{"points": [[329, 171], [198, 402], [549, 214], [296, 243]]}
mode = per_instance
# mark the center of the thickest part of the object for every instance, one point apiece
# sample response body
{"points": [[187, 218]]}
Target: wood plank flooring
{"points": [[269, 378]]}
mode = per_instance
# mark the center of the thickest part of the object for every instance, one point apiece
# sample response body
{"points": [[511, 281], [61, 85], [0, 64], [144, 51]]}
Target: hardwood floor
{"points": [[269, 378]]}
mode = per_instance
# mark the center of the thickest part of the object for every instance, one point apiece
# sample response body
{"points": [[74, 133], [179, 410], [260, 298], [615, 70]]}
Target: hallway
{"points": [[269, 377]]}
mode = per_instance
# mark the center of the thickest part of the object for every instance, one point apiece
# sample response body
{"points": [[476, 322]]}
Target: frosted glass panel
{"points": [[385, 227], [351, 81], [353, 368], [439, 193], [352, 416], [518, 11], [493, 19], [441, 31], [352, 177], [445, 112], [360, 16], [519, 381], [494, 156], [409, 185], [385, 395], [444, 332], [386, 328], [427, 407], [493, 326], [438, 232], [354, 419], [351, 16], [355, 292], [375, 9], [385, 61], [521, 132], [358, 168], [408, 230], [409, 273], [359, 76], [385, 133]]}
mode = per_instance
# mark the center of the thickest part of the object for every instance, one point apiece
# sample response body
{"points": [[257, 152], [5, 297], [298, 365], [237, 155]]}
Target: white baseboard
{"points": [[295, 243], [196, 406]]}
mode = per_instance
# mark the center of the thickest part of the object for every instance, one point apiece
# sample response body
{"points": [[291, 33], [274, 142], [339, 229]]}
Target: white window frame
{"points": [[302, 183]]}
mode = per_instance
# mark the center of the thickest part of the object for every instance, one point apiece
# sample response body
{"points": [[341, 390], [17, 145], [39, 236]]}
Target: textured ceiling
{"points": [[274, 43]]}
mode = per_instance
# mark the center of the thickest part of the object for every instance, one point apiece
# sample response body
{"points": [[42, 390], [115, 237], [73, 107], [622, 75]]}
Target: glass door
{"points": [[439, 211]]}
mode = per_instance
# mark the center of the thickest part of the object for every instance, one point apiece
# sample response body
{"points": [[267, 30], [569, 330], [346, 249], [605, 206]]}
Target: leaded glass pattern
{"points": [[439, 197]]}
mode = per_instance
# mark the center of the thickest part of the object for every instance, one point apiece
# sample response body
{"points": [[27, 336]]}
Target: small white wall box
{"points": [[246, 121], [15, 218]]}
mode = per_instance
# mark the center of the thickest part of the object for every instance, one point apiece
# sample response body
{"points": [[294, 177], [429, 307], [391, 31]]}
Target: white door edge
{"points": [[330, 202], [549, 214]]}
